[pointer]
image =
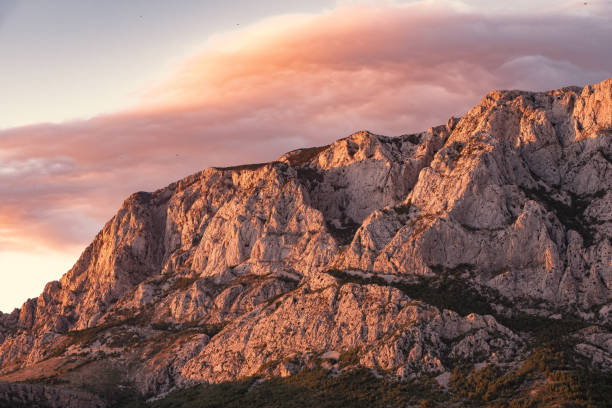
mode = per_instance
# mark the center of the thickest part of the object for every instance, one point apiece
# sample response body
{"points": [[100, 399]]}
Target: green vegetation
{"points": [[86, 337], [308, 175], [552, 376], [210, 329], [544, 330], [303, 156], [309, 388], [253, 166], [545, 379], [111, 386], [414, 138], [345, 234], [448, 291], [571, 216], [402, 208], [444, 292], [123, 338], [183, 283], [349, 357]]}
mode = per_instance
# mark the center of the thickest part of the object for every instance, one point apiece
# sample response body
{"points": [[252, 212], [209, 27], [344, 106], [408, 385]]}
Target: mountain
{"points": [[470, 263]]}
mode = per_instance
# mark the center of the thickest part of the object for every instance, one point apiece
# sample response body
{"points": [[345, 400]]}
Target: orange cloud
{"points": [[287, 82]]}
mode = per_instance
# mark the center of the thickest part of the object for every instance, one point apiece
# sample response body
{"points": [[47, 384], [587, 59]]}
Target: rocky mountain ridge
{"points": [[406, 255]]}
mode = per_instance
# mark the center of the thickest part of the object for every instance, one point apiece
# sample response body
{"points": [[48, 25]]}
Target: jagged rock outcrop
{"points": [[385, 329], [521, 191], [408, 254]]}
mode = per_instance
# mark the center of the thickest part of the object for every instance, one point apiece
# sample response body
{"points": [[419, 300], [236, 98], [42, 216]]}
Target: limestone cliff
{"points": [[409, 253]]}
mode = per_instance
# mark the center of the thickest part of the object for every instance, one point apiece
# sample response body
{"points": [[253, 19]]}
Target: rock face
{"points": [[402, 254], [385, 329]]}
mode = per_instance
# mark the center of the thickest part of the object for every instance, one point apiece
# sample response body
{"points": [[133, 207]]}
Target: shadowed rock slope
{"points": [[479, 243]]}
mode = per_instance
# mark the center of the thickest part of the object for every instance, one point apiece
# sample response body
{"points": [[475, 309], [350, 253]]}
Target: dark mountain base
{"points": [[543, 380]]}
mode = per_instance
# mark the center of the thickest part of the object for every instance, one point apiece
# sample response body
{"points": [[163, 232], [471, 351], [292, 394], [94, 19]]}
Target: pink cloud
{"points": [[285, 83]]}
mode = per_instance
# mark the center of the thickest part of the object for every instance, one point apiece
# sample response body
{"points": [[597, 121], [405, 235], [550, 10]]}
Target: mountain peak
{"points": [[407, 256]]}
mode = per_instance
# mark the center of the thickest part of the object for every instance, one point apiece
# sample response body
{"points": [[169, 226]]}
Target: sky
{"points": [[102, 99]]}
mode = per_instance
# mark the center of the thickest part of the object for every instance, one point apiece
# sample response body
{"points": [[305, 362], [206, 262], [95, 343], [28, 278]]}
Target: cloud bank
{"points": [[287, 82]]}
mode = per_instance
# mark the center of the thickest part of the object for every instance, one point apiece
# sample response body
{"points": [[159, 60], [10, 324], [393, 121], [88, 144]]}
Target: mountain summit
{"points": [[470, 262]]}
